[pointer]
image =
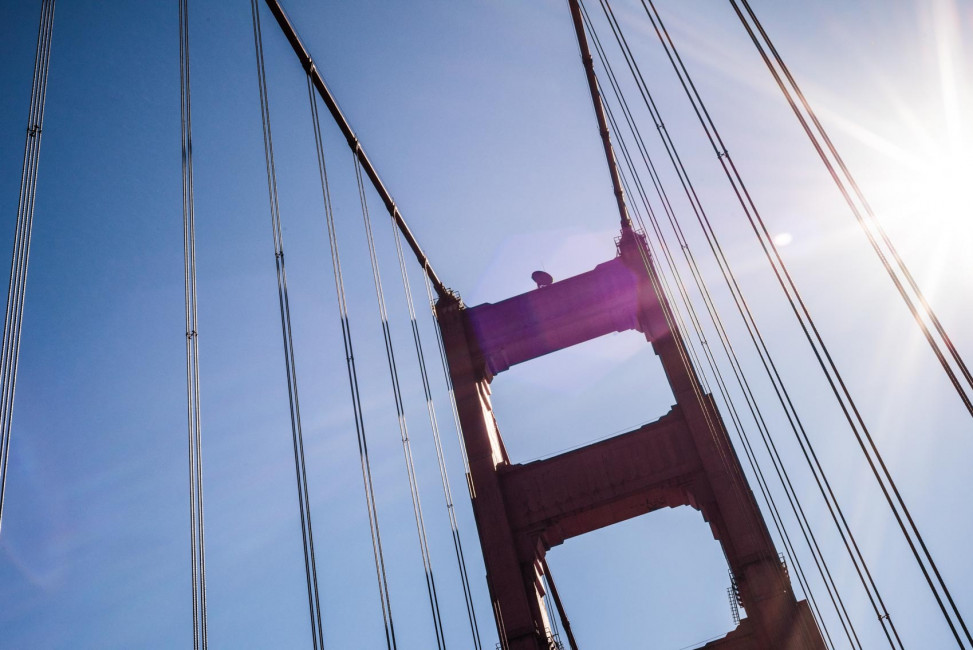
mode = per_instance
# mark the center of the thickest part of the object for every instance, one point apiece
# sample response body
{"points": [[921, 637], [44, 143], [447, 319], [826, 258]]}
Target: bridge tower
{"points": [[683, 458]]}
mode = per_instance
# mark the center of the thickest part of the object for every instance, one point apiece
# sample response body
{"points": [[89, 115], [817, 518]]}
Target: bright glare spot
{"points": [[783, 239], [931, 204], [928, 199], [946, 190]]}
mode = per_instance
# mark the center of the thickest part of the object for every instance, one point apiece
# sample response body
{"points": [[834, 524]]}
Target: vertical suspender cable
{"points": [[630, 238], [735, 417], [444, 362], [13, 318], [871, 226], [310, 566], [198, 538], [400, 412], [366, 468], [437, 440], [554, 630], [457, 426], [316, 82]]}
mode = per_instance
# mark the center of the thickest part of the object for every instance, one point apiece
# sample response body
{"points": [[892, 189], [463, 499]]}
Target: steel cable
{"points": [[366, 470], [629, 239], [300, 469], [721, 383], [559, 606], [727, 346], [449, 385], [738, 426], [867, 221], [820, 350], [457, 426], [835, 380], [197, 532], [757, 338], [723, 390], [16, 290], [437, 440], [400, 413]]}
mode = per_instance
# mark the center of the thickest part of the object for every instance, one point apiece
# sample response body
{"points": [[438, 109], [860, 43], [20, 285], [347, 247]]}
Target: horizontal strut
{"points": [[311, 69]]}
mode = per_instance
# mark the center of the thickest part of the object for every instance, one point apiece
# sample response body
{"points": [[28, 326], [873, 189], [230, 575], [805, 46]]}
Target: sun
{"points": [[946, 189], [921, 144]]}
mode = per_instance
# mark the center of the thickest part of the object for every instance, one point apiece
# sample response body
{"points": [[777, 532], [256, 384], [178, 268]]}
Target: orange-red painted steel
{"points": [[683, 458]]}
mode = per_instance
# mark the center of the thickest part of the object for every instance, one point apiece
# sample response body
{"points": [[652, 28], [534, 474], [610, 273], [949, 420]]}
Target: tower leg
{"points": [[685, 458]]}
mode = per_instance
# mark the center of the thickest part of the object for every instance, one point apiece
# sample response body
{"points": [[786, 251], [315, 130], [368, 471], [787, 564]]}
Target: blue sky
{"points": [[478, 119]]}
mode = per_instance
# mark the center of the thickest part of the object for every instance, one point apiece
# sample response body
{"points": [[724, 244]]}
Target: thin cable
{"points": [[366, 469], [559, 605], [449, 385], [300, 469], [867, 221], [553, 630], [822, 354], [13, 317], [198, 538], [741, 431], [631, 240], [332, 105], [18, 266], [727, 347], [797, 426], [717, 433], [437, 440], [400, 412]]}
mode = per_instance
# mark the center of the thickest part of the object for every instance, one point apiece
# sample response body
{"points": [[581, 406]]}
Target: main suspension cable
{"points": [[13, 318], [342, 123], [868, 222], [198, 538], [842, 395], [300, 469], [366, 468]]}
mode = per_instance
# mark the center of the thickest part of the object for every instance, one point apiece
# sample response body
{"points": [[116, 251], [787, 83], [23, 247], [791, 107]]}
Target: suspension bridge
{"points": [[157, 296]]}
